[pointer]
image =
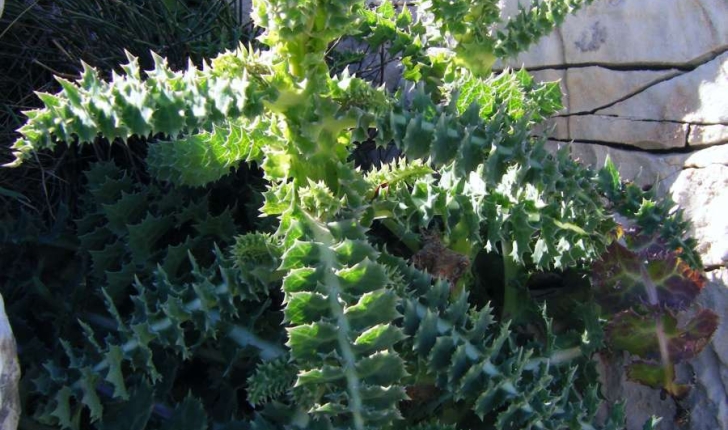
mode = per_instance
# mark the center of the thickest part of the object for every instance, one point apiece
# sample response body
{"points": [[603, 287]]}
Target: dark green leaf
{"points": [[188, 415]]}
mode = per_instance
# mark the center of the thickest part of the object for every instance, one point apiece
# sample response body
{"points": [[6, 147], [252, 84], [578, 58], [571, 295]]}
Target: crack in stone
{"points": [[687, 135], [692, 166], [686, 66], [627, 118], [669, 77], [634, 93], [626, 147], [696, 148], [681, 69], [617, 67]]}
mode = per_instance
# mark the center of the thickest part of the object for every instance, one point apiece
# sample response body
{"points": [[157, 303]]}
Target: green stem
{"points": [[557, 358], [410, 239], [667, 364], [238, 334], [513, 296], [348, 359]]}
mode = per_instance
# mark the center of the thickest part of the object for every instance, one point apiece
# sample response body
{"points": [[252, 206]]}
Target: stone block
{"points": [[703, 195], [640, 134], [708, 400], [701, 135], [632, 32], [9, 374]]}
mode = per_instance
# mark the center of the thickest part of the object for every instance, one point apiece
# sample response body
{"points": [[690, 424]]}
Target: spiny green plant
{"points": [[365, 329], [145, 273], [43, 38], [123, 222]]}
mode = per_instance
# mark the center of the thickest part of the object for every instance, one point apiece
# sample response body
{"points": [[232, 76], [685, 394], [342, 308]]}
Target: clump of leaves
{"points": [[43, 38], [641, 285]]}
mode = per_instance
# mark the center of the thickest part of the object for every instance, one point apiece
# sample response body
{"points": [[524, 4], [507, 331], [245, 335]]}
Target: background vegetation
{"points": [[40, 39]]}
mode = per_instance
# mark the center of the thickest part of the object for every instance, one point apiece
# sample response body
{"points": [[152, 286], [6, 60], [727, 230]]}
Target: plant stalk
{"points": [[667, 364], [513, 295]]}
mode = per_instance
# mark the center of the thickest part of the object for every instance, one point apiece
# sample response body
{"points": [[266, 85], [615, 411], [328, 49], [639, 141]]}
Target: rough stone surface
{"points": [[695, 97], [556, 128], [708, 401], [9, 374], [642, 134], [588, 89], [707, 134], [703, 195], [614, 130], [616, 59], [702, 191], [593, 88], [642, 402], [708, 157], [635, 32]]}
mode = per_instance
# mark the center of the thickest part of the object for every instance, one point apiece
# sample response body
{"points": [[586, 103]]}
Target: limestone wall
{"points": [[9, 374], [646, 83], [650, 74]]}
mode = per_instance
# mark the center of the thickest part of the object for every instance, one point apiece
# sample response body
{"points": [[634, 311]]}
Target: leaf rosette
{"points": [[644, 284], [650, 275]]}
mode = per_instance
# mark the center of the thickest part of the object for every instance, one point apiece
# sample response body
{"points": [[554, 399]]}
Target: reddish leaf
{"points": [[634, 333], [644, 286], [690, 341], [622, 278], [611, 277], [637, 334]]}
